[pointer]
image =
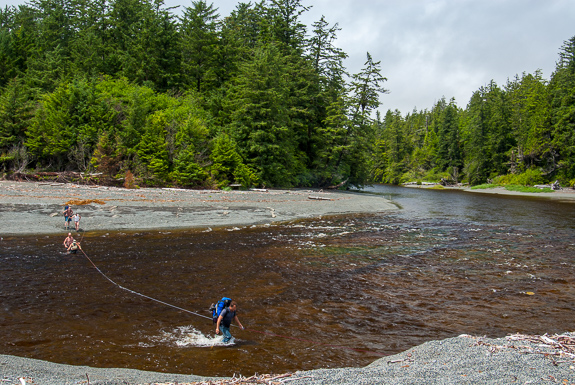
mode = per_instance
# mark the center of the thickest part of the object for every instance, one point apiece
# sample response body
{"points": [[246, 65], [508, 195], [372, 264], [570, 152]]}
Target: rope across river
{"points": [[140, 294], [210, 318]]}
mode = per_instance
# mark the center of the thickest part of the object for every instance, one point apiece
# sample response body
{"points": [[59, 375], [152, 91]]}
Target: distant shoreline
{"points": [[567, 195], [37, 208]]}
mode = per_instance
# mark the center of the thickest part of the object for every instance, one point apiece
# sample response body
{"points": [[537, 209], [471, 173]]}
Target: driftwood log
{"points": [[338, 185], [320, 198]]}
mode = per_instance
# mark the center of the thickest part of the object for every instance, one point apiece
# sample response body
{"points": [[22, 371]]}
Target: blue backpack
{"points": [[217, 308]]}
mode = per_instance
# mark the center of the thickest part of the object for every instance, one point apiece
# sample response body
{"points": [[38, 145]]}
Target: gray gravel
{"points": [[36, 208], [459, 360], [37, 372]]}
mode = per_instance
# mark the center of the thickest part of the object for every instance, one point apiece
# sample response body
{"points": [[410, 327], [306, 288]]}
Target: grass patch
{"points": [[484, 186], [528, 189], [513, 187]]}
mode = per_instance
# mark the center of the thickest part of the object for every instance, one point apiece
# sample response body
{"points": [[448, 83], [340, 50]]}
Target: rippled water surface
{"points": [[443, 265]]}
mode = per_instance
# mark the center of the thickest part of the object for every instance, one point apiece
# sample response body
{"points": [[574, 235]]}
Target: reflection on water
{"points": [[474, 207], [437, 268]]}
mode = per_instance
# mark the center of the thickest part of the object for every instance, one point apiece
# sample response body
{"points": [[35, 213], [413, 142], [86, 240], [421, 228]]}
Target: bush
{"points": [[530, 177], [434, 175]]}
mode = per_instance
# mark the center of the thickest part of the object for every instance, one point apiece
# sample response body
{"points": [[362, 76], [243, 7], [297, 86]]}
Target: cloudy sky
{"points": [[434, 48]]}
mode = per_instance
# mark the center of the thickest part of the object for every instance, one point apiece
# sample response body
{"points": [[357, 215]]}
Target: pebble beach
{"points": [[33, 208]]}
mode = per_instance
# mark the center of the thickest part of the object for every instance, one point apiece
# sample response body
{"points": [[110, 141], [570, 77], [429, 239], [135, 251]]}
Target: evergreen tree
{"points": [[477, 165], [333, 134], [89, 50], [63, 133], [15, 116], [7, 50], [152, 149], [281, 24], [449, 157], [530, 121], [327, 59], [366, 86], [106, 158], [225, 160], [258, 106], [563, 114], [199, 44]]}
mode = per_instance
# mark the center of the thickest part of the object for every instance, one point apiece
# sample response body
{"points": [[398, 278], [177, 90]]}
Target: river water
{"points": [[443, 264]]}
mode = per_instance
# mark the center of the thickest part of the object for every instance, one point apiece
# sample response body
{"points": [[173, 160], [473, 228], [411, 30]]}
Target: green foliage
{"points": [[187, 172], [227, 165], [245, 176], [225, 160], [261, 118], [15, 115], [65, 128], [253, 98], [530, 177]]}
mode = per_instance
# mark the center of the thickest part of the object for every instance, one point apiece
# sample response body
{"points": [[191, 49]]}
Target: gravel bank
{"points": [[36, 208], [460, 360]]}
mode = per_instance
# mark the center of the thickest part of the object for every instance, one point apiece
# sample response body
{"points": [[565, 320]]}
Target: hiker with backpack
{"points": [[67, 216], [224, 321]]}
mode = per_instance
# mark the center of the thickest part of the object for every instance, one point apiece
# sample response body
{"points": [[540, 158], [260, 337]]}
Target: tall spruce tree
{"points": [[259, 108], [563, 113], [199, 45], [365, 89]]}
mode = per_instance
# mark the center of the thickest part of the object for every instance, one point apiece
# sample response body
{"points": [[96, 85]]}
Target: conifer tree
{"points": [[563, 113], [260, 118], [199, 45]]}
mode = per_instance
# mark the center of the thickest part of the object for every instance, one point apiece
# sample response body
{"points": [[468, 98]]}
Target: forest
{"points": [[133, 92]]}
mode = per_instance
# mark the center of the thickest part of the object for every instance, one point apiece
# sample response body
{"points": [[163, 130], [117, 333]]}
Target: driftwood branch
{"points": [[338, 185], [320, 198]]}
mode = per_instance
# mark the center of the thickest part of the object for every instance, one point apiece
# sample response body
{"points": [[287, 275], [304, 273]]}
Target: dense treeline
{"points": [[522, 133], [131, 88], [187, 99]]}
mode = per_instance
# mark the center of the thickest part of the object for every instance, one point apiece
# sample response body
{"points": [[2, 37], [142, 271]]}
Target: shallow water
{"points": [[443, 265]]}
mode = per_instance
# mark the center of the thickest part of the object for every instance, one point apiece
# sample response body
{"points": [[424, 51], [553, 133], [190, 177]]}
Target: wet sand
{"points": [[37, 208]]}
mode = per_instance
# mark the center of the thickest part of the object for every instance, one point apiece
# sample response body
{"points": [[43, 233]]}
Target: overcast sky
{"points": [[434, 48]]}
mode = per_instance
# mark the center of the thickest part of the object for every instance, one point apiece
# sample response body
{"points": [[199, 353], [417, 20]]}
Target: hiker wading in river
{"points": [[225, 321]]}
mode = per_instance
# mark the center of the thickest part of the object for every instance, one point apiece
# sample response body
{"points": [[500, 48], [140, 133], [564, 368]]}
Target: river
{"points": [[329, 292]]}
